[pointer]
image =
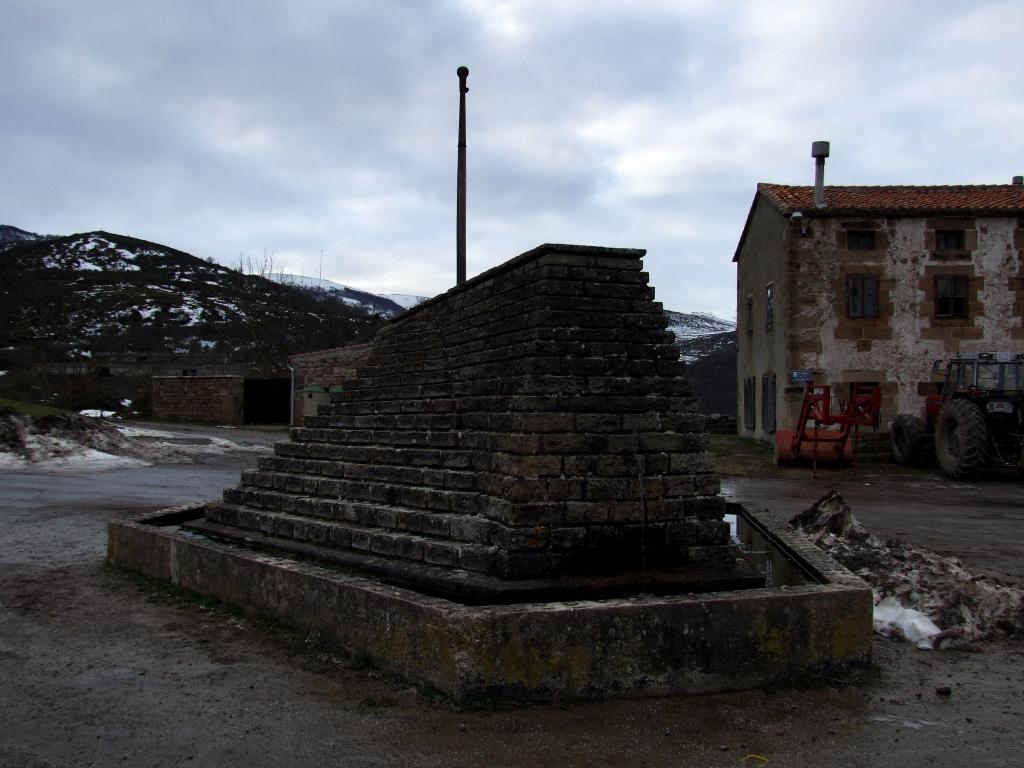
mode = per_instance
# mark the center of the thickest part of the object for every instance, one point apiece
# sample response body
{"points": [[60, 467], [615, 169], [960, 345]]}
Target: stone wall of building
{"points": [[530, 422], [324, 369], [895, 348], [216, 399], [761, 339]]}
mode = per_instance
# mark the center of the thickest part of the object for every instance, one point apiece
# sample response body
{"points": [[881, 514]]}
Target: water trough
{"points": [[815, 616]]}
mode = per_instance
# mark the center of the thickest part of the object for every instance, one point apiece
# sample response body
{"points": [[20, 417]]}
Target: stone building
{"points": [[871, 284], [225, 399]]}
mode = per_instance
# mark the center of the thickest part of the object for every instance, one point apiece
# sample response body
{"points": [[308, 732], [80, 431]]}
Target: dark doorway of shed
{"points": [[267, 401]]}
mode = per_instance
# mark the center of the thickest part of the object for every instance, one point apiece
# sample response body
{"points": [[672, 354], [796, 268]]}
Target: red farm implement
{"points": [[824, 432]]}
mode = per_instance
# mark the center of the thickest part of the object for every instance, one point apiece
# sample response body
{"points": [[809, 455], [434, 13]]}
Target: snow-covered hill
{"points": [[698, 334], [707, 344], [385, 305], [691, 325], [405, 300], [95, 294], [9, 235]]}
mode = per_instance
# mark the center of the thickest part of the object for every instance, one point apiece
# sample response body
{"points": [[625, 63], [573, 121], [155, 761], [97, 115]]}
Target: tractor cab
{"points": [[977, 420]]}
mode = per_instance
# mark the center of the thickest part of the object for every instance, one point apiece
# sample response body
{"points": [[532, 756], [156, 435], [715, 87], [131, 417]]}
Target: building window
{"points": [[951, 296], [769, 306], [750, 314], [861, 296], [860, 240], [949, 239], [750, 402], [768, 403]]}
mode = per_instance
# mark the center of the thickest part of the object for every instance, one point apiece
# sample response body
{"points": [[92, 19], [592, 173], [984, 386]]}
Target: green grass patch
{"points": [[741, 456], [31, 409]]}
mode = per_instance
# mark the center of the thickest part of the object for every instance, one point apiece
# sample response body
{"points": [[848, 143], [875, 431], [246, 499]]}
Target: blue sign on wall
{"points": [[801, 376]]}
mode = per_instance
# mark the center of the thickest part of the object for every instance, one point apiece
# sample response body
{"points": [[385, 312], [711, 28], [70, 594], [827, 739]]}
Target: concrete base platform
{"points": [[637, 645]]}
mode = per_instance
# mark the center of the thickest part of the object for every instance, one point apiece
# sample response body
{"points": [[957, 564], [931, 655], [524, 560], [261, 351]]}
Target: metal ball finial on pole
{"points": [[460, 202]]}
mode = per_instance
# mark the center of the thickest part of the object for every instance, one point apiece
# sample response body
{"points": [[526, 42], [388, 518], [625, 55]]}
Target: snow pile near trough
{"points": [[78, 443], [921, 596]]}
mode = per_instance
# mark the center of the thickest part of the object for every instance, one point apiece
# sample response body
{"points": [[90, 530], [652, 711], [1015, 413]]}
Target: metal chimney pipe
{"points": [[460, 183], [819, 151]]}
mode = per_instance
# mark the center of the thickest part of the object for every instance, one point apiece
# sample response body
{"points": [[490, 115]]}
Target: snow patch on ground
{"points": [[132, 432], [75, 443], [920, 596], [65, 457], [95, 413], [893, 620]]}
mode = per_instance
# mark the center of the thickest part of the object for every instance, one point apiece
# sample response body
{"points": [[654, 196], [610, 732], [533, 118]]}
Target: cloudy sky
{"points": [[287, 129]]}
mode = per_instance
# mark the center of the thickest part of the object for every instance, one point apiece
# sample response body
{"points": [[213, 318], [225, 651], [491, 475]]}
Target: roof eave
{"points": [[746, 225]]}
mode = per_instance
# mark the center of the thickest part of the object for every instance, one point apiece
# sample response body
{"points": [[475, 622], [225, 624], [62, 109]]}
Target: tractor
{"points": [[977, 421]]}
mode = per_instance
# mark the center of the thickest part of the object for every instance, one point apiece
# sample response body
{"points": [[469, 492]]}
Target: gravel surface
{"points": [[98, 667]]}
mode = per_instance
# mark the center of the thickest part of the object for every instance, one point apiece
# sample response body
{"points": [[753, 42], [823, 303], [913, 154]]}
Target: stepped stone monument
{"points": [[515, 496], [531, 425]]}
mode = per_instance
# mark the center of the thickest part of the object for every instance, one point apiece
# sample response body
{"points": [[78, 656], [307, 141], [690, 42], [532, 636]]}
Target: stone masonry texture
{"points": [[198, 398], [325, 368], [530, 422]]}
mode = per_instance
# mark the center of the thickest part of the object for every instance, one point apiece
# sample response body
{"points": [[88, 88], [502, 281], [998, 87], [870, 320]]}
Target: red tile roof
{"points": [[992, 199]]}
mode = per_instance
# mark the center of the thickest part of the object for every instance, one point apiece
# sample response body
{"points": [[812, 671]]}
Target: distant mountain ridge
{"points": [[384, 305], [698, 334], [100, 293], [688, 325], [707, 344], [9, 235]]}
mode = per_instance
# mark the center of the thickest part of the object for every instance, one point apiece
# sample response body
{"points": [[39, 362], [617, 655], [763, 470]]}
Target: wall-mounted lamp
{"points": [[799, 218]]}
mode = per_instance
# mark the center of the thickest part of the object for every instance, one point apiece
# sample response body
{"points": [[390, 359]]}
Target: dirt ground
{"points": [[100, 668]]}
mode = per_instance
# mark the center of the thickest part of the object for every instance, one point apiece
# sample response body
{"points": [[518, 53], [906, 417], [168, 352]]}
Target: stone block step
{"points": [[348, 406], [403, 367], [438, 545], [466, 528], [413, 421], [287, 486], [451, 479], [371, 378], [441, 438], [410, 457]]}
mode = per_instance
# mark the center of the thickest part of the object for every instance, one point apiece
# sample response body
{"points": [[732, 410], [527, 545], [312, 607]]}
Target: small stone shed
{"points": [[221, 399], [199, 398]]}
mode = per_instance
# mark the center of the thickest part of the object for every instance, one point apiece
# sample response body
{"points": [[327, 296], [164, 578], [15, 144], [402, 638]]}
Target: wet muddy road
{"points": [[981, 522], [100, 668]]}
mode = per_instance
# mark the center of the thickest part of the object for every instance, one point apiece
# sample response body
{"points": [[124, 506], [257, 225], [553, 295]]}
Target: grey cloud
{"points": [[223, 128]]}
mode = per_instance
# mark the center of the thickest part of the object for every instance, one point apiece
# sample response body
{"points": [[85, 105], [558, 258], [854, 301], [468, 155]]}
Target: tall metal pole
{"points": [[460, 182]]}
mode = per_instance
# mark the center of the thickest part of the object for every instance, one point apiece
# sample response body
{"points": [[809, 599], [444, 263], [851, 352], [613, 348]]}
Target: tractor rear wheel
{"points": [[961, 439], [907, 439]]}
